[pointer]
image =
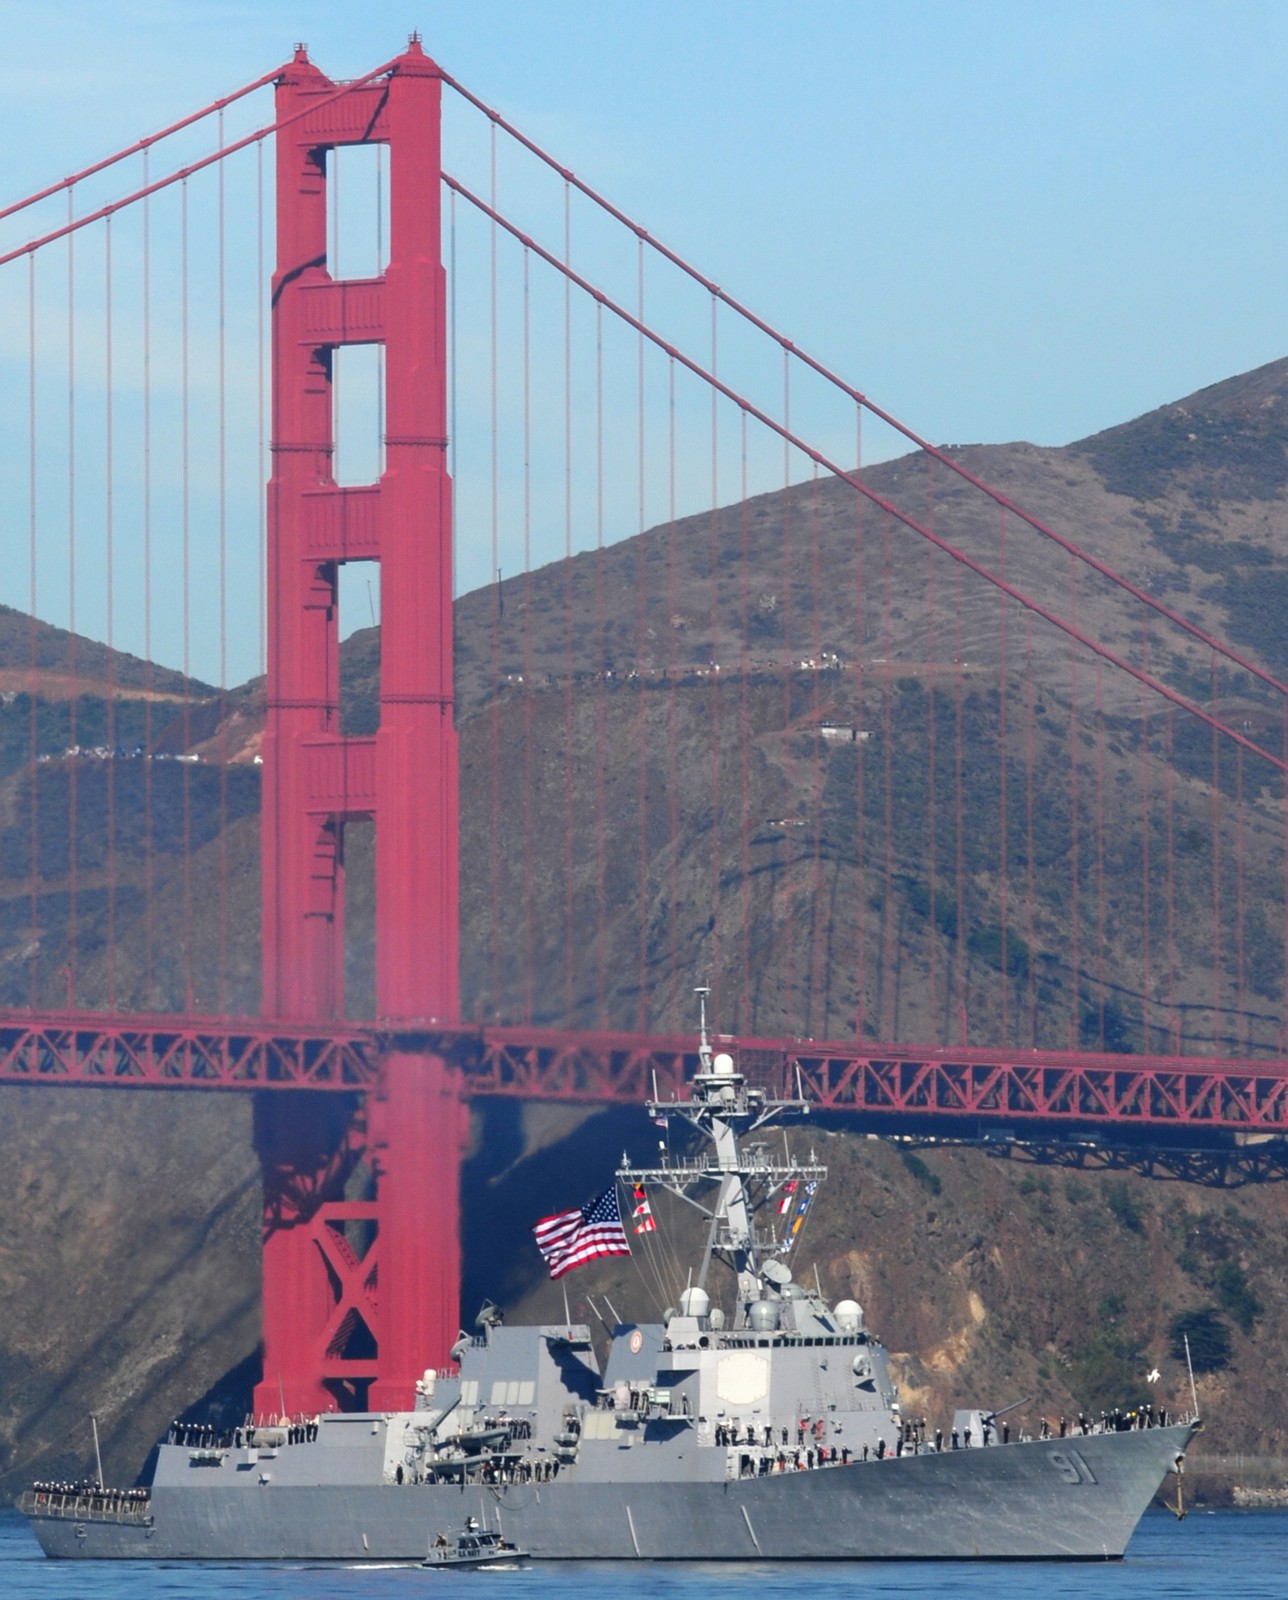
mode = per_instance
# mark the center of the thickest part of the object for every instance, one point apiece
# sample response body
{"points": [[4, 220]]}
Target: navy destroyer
{"points": [[764, 1428]]}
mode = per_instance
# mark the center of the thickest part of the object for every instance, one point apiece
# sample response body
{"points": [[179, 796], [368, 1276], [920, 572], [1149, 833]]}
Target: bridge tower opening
{"points": [[361, 1229]]}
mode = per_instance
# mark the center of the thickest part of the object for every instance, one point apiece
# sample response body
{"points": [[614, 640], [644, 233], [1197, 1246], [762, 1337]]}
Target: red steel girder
{"points": [[997, 1087], [172, 1052]]}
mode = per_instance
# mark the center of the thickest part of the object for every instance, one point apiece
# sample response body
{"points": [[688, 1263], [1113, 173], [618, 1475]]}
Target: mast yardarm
{"points": [[725, 1109]]}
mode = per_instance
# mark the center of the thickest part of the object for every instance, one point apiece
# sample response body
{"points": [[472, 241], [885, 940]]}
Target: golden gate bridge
{"points": [[822, 889]]}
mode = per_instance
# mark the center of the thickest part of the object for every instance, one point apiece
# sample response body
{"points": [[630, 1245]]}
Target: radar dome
{"points": [[849, 1316], [763, 1316], [722, 1066], [716, 1319], [695, 1303]]}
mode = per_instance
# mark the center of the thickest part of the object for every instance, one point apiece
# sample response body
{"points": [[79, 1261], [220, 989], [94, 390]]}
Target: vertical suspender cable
{"points": [[717, 800], [33, 677], [498, 608], [112, 735], [1178, 1036], [932, 792], [1100, 852], [816, 1022], [1030, 866], [889, 925], [1284, 928], [959, 819], [569, 704], [529, 959], [186, 524], [644, 903], [741, 1015], [601, 666], [1003, 791], [1146, 840], [1216, 872], [672, 803], [1075, 886], [1239, 1040], [223, 751], [261, 297], [860, 748], [73, 663], [261, 478], [787, 963], [149, 676]]}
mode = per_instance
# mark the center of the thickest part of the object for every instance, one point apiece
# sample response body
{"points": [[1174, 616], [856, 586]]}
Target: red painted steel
{"points": [[892, 1083], [996, 1088], [86, 1050], [316, 780]]}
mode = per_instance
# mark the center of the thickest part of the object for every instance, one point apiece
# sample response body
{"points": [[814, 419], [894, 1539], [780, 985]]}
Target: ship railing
{"points": [[106, 1505], [644, 1403]]}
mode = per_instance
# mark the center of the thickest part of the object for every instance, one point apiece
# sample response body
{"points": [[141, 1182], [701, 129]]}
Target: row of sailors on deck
{"points": [[765, 1464], [529, 1470], [1115, 1421], [727, 1433], [86, 1489], [913, 1437], [206, 1436]]}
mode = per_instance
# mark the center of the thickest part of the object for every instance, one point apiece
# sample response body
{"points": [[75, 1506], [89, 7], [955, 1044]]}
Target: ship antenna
{"points": [[1194, 1393], [704, 1044]]}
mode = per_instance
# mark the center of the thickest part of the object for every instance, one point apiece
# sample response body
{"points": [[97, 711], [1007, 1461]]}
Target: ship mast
{"points": [[724, 1108]]}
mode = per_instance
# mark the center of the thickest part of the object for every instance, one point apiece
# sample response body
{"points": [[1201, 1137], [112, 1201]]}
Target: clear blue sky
{"points": [[1000, 218]]}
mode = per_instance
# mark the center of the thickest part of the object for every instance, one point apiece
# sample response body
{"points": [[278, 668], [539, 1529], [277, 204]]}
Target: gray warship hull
{"points": [[773, 1432], [1070, 1499]]}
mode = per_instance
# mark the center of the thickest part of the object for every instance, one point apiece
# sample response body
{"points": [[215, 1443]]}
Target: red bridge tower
{"points": [[361, 1235]]}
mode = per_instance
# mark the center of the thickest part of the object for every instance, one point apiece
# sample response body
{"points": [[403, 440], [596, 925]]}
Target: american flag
{"points": [[571, 1238]]}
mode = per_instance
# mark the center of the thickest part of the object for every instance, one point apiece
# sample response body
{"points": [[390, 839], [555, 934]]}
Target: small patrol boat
{"points": [[474, 1546]]}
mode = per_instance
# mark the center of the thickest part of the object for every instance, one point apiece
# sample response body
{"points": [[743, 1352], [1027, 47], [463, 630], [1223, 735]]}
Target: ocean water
{"points": [[1242, 1555]]}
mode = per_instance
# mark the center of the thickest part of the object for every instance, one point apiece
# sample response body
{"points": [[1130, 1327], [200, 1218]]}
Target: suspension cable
{"points": [[140, 145], [857, 395], [181, 174], [1066, 627]]}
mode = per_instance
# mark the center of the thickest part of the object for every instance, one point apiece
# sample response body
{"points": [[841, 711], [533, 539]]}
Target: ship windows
{"points": [[512, 1393]]}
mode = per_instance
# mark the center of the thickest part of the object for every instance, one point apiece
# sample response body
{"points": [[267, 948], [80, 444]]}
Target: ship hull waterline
{"points": [[1078, 1499]]}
